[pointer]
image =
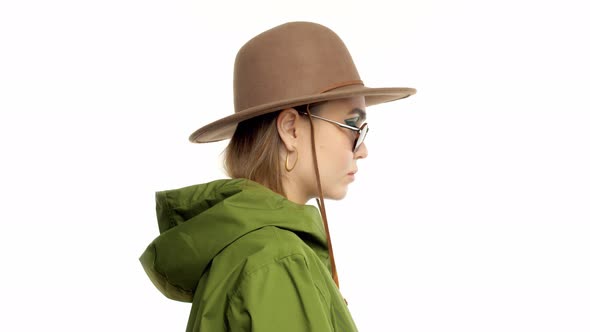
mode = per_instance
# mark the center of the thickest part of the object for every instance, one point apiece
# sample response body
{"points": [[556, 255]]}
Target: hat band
{"points": [[341, 84]]}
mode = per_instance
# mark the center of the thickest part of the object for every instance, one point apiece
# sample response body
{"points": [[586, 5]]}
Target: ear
{"points": [[287, 127]]}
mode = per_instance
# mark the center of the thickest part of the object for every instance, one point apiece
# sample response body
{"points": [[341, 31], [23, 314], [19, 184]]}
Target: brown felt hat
{"points": [[292, 64]]}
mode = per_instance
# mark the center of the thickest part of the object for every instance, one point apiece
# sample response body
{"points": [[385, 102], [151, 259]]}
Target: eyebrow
{"points": [[361, 113]]}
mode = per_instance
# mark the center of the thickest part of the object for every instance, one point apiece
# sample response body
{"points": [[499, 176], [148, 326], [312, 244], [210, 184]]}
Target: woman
{"points": [[246, 251]]}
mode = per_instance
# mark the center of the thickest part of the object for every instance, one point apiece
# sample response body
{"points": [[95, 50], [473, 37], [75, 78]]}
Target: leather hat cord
{"points": [[320, 202]]}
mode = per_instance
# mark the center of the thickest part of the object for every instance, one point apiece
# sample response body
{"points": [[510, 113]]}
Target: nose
{"points": [[362, 152]]}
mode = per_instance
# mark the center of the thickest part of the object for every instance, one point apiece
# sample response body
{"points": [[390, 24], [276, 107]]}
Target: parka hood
{"points": [[198, 222]]}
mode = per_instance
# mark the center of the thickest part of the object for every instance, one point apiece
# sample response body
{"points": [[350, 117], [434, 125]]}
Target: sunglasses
{"points": [[360, 132]]}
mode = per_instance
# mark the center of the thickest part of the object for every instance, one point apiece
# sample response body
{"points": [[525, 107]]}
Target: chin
{"points": [[336, 193]]}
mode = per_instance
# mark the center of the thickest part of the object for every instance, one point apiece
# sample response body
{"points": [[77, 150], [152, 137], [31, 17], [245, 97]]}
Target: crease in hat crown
{"points": [[292, 64]]}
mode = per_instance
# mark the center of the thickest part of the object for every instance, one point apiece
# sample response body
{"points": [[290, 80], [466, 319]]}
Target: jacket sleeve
{"points": [[280, 296]]}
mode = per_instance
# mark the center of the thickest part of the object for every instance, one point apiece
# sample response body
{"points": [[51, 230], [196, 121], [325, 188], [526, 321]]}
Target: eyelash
{"points": [[352, 122]]}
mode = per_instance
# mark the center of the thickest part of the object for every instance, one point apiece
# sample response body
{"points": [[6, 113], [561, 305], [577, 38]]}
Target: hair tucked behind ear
{"points": [[254, 152]]}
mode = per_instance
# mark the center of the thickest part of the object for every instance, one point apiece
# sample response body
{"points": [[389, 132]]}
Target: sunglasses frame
{"points": [[361, 131]]}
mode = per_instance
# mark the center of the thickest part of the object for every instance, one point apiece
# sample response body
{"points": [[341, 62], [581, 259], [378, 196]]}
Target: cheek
{"points": [[335, 153]]}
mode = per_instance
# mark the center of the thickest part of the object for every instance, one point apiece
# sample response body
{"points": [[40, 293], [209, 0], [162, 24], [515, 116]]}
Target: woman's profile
{"points": [[247, 251]]}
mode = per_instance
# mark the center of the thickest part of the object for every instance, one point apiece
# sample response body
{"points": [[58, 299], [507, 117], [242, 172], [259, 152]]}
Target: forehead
{"points": [[342, 107]]}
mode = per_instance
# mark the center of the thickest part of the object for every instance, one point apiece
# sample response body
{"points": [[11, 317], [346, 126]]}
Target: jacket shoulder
{"points": [[265, 245], [273, 275]]}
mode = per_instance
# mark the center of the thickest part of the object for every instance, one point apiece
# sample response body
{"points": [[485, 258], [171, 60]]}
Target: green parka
{"points": [[247, 258]]}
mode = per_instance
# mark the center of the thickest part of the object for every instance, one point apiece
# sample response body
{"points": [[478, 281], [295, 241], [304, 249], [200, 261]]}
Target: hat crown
{"points": [[290, 61]]}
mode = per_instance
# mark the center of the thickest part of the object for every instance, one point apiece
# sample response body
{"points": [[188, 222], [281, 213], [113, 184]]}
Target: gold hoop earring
{"points": [[287, 161]]}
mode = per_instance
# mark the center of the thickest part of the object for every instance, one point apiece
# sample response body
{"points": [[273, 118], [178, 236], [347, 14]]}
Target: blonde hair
{"points": [[253, 152]]}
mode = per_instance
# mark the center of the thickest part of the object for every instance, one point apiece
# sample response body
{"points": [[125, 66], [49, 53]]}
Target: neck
{"points": [[293, 192]]}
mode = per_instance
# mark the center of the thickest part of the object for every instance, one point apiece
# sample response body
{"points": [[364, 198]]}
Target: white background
{"points": [[470, 214]]}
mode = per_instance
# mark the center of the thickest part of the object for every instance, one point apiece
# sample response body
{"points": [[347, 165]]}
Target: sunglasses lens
{"points": [[361, 138]]}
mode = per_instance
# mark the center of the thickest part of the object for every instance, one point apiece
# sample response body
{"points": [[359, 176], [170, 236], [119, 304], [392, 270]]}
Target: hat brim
{"points": [[224, 128]]}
